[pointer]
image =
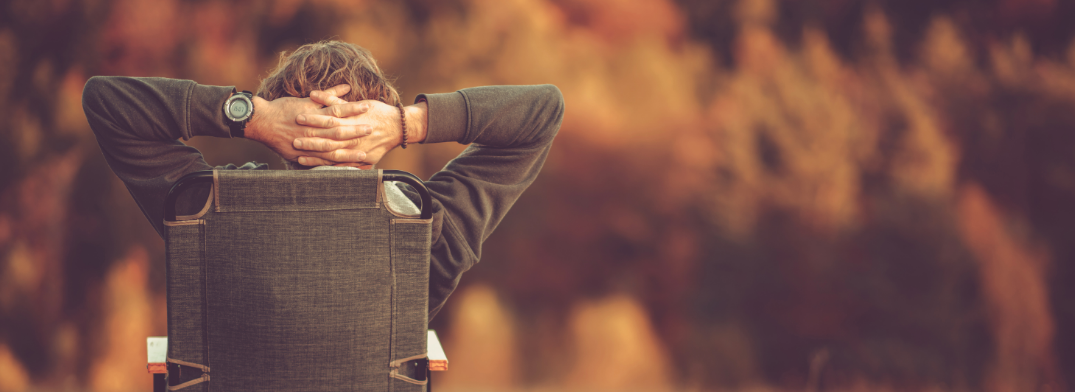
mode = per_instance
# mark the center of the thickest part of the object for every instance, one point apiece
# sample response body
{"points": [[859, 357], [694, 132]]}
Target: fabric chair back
{"points": [[297, 281]]}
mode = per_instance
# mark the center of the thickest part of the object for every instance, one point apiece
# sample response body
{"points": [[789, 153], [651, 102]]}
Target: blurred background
{"points": [[746, 195]]}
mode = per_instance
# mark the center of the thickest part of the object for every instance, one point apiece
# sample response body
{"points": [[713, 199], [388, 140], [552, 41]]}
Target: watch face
{"points": [[238, 108]]}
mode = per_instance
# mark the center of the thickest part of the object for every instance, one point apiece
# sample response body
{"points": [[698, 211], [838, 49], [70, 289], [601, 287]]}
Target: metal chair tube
{"points": [[206, 176]]}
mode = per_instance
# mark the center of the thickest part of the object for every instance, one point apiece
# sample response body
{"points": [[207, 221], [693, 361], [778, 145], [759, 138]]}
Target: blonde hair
{"points": [[325, 64]]}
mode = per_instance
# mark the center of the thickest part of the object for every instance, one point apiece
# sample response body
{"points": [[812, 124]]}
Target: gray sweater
{"points": [[510, 129]]}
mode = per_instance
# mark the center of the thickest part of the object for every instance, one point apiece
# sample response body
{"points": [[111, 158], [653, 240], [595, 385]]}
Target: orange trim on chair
{"points": [[157, 368], [438, 365]]}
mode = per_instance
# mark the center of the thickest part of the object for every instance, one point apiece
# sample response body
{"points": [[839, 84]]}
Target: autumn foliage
{"points": [[745, 194]]}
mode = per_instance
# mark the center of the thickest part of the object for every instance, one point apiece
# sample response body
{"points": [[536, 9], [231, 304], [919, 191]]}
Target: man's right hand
{"points": [[274, 125]]}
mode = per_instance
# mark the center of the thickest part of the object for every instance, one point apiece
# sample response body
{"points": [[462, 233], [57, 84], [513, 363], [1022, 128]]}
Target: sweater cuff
{"points": [[206, 111], [448, 117]]}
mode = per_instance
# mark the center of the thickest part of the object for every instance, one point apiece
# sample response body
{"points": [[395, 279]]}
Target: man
{"points": [[510, 130]]}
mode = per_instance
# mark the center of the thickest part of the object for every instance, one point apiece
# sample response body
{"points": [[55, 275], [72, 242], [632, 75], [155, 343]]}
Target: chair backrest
{"points": [[297, 281]]}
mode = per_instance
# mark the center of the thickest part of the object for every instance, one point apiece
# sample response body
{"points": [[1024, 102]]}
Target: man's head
{"points": [[321, 65], [324, 64]]}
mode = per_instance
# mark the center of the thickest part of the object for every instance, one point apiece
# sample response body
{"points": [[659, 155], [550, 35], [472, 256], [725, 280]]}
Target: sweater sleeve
{"points": [[510, 130], [138, 121]]}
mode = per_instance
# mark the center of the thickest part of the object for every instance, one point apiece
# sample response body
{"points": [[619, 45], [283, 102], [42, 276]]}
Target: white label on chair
{"points": [[157, 348]]}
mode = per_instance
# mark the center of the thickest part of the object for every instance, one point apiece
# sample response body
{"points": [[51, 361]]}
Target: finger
{"points": [[334, 101], [338, 156], [313, 161], [333, 127], [317, 120], [327, 98], [321, 144], [346, 109], [343, 132], [338, 90]]}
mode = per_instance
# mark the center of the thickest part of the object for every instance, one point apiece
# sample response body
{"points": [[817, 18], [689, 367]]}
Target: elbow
{"points": [[554, 110], [92, 92], [97, 96], [93, 98], [555, 102]]}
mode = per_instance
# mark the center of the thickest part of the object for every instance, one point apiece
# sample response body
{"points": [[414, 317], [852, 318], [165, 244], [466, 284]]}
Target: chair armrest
{"points": [[437, 360], [157, 350]]}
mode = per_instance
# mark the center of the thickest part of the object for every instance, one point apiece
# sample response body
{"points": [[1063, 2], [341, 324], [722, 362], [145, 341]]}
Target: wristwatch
{"points": [[238, 109]]}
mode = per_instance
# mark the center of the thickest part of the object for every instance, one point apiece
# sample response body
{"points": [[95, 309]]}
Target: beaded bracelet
{"points": [[403, 124]]}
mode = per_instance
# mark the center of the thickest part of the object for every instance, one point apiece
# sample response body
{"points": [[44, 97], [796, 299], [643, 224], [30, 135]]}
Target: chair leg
{"points": [[429, 380], [159, 383]]}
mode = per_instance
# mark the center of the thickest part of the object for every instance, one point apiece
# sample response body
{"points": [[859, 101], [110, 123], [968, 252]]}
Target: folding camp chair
{"points": [[298, 281]]}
